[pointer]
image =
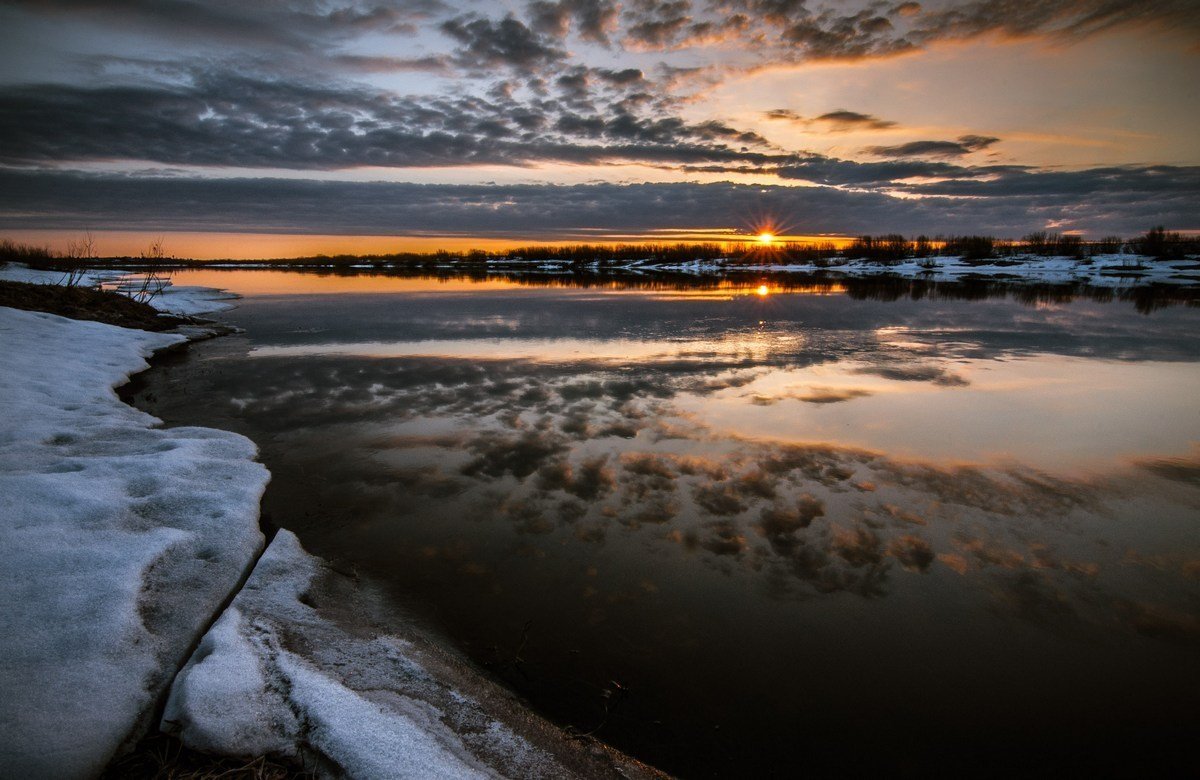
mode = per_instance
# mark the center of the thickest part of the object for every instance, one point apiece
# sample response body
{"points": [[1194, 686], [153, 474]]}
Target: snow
{"points": [[290, 669], [121, 541], [1100, 271], [185, 301]]}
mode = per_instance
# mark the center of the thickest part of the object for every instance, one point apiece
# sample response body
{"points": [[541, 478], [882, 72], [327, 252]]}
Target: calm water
{"points": [[742, 531]]}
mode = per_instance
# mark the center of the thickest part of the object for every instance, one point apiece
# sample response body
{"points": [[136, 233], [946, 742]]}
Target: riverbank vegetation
{"points": [[80, 302], [1155, 244]]}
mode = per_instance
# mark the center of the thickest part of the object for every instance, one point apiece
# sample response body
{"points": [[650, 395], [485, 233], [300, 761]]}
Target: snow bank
{"points": [[121, 541], [185, 301], [1098, 271], [300, 666]]}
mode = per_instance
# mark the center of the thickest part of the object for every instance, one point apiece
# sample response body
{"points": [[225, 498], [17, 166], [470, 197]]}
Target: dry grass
{"points": [[83, 303], [162, 757]]}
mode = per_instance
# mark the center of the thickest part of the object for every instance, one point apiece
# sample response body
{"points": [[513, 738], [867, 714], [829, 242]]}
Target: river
{"points": [[748, 529]]}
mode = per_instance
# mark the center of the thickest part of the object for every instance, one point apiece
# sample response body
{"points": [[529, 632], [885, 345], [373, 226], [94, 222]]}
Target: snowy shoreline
{"points": [[138, 577], [1102, 270], [1115, 270], [122, 540]]}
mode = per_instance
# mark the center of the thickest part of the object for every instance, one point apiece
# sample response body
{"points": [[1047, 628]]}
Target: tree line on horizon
{"points": [[1156, 243]]}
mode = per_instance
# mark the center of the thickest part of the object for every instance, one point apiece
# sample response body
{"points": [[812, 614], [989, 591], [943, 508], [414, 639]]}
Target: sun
{"points": [[763, 291], [765, 238]]}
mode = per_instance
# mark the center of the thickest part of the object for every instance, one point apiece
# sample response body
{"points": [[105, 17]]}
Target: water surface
{"points": [[747, 530]]}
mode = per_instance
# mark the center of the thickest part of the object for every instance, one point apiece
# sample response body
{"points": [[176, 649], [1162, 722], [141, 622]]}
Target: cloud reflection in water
{"points": [[689, 490]]}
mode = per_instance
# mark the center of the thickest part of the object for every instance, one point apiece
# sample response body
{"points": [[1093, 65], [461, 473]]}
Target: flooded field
{"points": [[751, 529]]}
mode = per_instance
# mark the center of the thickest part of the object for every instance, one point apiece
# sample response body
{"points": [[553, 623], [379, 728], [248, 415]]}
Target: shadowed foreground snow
{"points": [[249, 689], [301, 665], [121, 541]]}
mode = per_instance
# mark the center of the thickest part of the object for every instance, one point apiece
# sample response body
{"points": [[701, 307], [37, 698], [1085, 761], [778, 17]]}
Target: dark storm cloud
{"points": [[1014, 492], [223, 119], [775, 30], [486, 43], [858, 545], [831, 395], [668, 24], [781, 29], [657, 24], [797, 30], [832, 171], [1151, 181], [1071, 18], [913, 552], [775, 11], [719, 538], [815, 395], [43, 199], [853, 120], [1185, 469], [588, 480], [838, 121], [291, 23], [830, 35], [594, 20], [497, 454], [1159, 621], [965, 144], [781, 523], [915, 372], [580, 86], [366, 64], [1035, 597]]}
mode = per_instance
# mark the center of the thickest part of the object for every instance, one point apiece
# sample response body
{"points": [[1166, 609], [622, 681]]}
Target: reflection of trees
{"points": [[878, 287]]}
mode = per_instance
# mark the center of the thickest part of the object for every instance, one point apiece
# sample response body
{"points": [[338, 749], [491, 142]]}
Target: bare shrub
{"points": [[154, 281], [80, 253]]}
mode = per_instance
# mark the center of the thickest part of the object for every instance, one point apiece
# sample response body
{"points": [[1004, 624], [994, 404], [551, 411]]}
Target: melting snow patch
{"points": [[121, 541]]}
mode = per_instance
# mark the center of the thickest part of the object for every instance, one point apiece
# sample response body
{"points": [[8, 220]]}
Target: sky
{"points": [[280, 127]]}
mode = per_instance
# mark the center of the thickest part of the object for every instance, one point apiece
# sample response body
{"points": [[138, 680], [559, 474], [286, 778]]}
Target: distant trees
{"points": [[891, 248], [1158, 243], [970, 247], [619, 253], [887, 249], [1047, 244]]}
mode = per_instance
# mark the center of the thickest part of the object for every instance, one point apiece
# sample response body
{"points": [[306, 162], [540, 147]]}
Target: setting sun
{"points": [[763, 290], [765, 238]]}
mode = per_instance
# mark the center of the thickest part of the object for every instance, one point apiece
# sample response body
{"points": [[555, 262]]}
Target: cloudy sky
{"points": [[285, 126]]}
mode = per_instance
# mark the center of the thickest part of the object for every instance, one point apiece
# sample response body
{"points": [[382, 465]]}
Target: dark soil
{"points": [[85, 303]]}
